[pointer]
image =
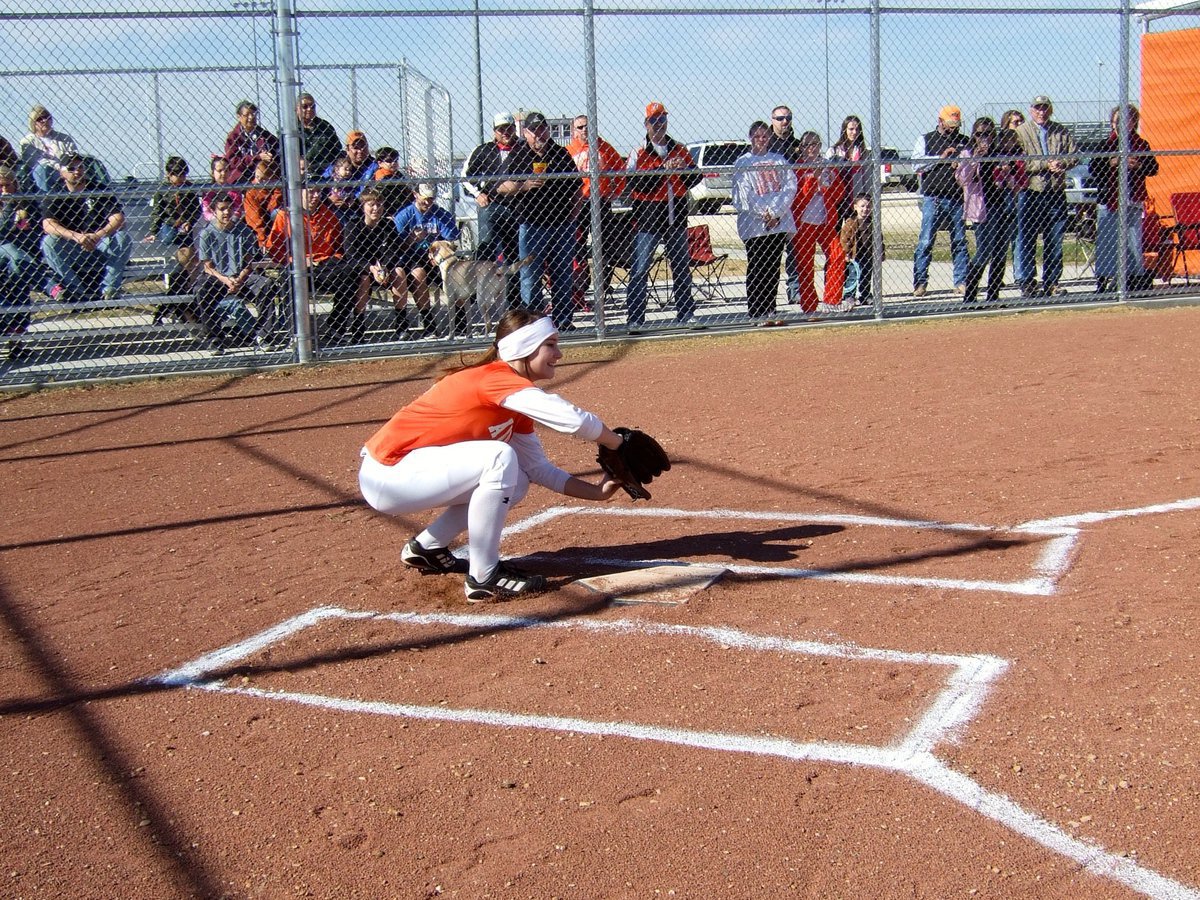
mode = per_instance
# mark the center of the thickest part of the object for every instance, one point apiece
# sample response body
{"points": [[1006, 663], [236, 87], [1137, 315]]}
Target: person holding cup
{"points": [[544, 183]]}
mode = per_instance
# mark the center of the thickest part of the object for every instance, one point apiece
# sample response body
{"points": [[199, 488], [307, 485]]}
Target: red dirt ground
{"points": [[149, 524]]}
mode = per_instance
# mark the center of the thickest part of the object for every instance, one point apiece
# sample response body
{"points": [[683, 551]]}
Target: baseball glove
{"points": [[638, 461]]}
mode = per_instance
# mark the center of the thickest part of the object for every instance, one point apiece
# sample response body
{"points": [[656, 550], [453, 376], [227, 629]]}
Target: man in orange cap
{"points": [[362, 163], [661, 172], [942, 199]]}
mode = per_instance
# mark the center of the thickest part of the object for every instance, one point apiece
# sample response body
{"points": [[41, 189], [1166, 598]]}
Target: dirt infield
{"points": [[954, 654]]}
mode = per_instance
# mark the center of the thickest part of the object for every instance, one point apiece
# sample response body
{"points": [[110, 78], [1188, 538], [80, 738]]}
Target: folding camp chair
{"points": [[1185, 233], [707, 266]]}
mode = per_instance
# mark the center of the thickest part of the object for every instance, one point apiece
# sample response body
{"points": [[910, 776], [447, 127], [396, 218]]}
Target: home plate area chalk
{"points": [[671, 585]]}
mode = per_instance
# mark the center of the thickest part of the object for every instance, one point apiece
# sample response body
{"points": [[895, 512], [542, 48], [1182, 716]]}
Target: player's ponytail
{"points": [[509, 322]]}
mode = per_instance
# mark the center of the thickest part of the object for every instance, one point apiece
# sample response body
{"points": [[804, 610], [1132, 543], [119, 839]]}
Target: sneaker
{"points": [[438, 561], [919, 290], [960, 289], [505, 581]]}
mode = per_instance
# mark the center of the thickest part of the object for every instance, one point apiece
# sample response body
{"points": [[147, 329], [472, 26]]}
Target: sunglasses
{"points": [[782, 118], [43, 118], [656, 120]]}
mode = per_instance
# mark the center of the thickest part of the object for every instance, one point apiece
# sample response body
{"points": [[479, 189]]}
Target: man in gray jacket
{"points": [[1042, 206]]}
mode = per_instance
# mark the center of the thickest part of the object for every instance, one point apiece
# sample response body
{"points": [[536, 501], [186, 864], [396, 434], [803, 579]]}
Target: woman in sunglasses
{"points": [[990, 182], [44, 149]]}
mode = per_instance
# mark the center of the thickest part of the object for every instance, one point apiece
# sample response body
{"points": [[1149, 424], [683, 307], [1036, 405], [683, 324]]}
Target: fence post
{"points": [[289, 89], [876, 183], [1123, 199], [594, 198], [158, 124], [479, 78]]}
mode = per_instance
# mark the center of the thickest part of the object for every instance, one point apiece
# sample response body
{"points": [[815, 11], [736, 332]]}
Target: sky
{"points": [[715, 70]]}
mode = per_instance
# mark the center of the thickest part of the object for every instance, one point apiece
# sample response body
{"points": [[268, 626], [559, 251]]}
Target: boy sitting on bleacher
{"points": [[229, 252]]}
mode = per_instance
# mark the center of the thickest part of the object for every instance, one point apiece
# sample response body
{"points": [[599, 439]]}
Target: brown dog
{"points": [[464, 279]]}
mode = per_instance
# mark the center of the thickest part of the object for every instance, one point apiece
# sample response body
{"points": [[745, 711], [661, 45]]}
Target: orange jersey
{"points": [[323, 236], [610, 161], [463, 406]]}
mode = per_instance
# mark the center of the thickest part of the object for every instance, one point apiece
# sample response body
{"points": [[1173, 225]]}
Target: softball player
{"points": [[467, 444]]}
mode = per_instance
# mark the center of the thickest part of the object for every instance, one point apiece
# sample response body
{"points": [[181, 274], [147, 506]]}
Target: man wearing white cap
{"points": [[1042, 206], [486, 168]]}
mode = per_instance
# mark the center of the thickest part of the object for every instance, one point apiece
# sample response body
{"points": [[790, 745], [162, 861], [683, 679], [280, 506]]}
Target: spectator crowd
{"points": [[368, 227]]}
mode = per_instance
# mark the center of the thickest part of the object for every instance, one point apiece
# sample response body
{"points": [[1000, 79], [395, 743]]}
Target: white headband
{"points": [[526, 339]]}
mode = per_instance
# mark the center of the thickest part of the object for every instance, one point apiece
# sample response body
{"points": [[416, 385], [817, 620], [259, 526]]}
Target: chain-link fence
{"points": [[170, 160]]}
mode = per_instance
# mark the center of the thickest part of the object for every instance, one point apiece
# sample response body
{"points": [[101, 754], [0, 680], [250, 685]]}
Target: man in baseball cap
{"points": [[533, 120], [496, 220], [662, 172], [1050, 152], [547, 208], [942, 206]]}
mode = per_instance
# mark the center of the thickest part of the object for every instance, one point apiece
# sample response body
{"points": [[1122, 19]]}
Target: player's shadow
{"points": [[769, 545]]}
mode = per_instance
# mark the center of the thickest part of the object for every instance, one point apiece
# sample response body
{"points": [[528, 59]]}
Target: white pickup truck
{"points": [[896, 171]]}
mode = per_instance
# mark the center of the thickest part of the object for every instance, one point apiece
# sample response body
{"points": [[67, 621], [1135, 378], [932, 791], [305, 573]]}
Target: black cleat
{"points": [[504, 582], [438, 561]]}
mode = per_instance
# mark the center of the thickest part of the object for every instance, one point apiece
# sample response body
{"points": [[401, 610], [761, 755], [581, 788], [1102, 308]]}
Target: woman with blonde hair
{"points": [[44, 149]]}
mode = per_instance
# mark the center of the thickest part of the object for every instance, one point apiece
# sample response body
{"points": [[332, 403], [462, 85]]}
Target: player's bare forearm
{"points": [[586, 490]]}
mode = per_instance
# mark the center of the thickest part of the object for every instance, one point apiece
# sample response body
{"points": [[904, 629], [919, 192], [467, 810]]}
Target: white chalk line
{"points": [[1091, 518], [970, 678], [1050, 565]]}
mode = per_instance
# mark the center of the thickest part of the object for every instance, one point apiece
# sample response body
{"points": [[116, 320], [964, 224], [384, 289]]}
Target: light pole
{"points": [[828, 136], [828, 103], [255, 7], [1099, 91]]}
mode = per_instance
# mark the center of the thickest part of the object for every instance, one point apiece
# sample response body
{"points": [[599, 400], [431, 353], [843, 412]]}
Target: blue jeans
{"points": [[793, 275], [72, 264], [553, 250], [675, 241], [938, 213], [18, 273], [1044, 213], [991, 248], [1108, 222]]}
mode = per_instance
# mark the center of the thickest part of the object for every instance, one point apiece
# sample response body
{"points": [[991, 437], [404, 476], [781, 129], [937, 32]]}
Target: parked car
{"points": [[715, 159]]}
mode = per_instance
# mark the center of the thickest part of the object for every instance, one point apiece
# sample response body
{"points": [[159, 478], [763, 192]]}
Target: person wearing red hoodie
{"points": [[327, 268], [660, 173], [819, 193], [610, 161]]}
